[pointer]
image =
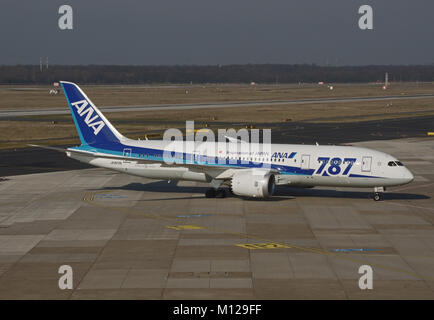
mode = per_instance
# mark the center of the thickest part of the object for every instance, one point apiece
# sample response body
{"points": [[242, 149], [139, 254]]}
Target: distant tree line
{"points": [[259, 73]]}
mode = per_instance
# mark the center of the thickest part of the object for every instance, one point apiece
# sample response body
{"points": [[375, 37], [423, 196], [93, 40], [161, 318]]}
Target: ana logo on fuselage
{"points": [[285, 155], [89, 120]]}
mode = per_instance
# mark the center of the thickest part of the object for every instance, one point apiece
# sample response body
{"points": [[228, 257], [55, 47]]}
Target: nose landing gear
{"points": [[378, 193], [378, 196]]}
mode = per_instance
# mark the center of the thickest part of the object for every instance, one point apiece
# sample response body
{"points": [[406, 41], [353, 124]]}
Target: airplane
{"points": [[250, 174]]}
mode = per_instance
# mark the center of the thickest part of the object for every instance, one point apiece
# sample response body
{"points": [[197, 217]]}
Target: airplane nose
{"points": [[408, 175]]}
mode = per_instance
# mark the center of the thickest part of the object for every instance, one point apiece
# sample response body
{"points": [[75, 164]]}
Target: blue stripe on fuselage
{"points": [[353, 175]]}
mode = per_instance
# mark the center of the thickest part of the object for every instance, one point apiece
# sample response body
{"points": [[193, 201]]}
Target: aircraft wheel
{"points": [[210, 193], [378, 196]]}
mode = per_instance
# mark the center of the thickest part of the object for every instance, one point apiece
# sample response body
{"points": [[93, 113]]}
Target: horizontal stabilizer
{"points": [[47, 147]]}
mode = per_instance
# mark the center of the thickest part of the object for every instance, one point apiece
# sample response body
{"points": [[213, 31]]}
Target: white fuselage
{"points": [[297, 165]]}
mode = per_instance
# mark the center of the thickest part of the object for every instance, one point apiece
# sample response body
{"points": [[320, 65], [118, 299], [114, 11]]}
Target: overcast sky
{"points": [[150, 32]]}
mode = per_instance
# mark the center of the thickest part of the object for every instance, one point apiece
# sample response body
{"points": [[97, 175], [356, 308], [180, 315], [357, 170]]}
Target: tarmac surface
{"points": [[129, 237]]}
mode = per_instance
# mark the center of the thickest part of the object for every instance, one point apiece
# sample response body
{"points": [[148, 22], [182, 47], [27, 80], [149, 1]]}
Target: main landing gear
{"points": [[378, 193], [215, 193]]}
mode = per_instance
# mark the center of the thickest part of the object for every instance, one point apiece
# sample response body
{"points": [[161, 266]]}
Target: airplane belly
{"points": [[309, 181], [152, 170], [176, 173]]}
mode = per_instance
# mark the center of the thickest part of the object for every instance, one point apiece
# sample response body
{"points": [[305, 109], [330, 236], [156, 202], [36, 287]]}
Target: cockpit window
{"points": [[395, 163]]}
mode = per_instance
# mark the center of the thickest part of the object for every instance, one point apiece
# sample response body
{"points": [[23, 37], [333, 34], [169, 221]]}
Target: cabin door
{"points": [[305, 161], [366, 164], [127, 152]]}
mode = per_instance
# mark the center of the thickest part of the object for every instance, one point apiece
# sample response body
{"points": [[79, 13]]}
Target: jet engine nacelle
{"points": [[257, 184]]}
